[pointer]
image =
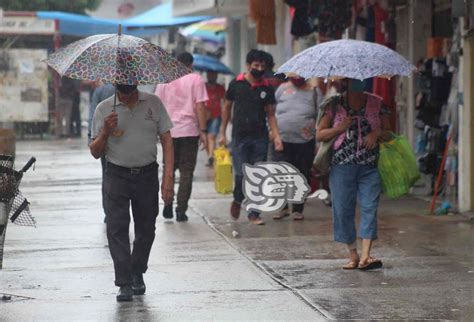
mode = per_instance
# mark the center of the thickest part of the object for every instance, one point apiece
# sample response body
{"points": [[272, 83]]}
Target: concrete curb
{"points": [[268, 271]]}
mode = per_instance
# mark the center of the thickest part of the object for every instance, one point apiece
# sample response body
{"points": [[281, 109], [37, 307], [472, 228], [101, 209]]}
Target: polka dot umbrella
{"points": [[347, 58]]}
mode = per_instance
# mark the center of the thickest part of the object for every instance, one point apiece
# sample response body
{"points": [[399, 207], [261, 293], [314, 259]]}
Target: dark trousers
{"points": [[185, 156], [121, 189], [103, 163], [76, 117], [247, 150], [300, 155]]}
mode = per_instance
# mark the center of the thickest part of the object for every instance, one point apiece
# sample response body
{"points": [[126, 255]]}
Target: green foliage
{"points": [[74, 6]]}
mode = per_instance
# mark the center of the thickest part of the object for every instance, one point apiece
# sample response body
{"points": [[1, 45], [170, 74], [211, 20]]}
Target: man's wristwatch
{"points": [[203, 130]]}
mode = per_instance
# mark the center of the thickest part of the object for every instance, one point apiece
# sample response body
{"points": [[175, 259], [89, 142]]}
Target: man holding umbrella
{"points": [[131, 176], [125, 130]]}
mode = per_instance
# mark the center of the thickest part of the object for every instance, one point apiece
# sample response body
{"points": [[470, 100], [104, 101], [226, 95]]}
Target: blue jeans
{"points": [[213, 126], [347, 182], [247, 150]]}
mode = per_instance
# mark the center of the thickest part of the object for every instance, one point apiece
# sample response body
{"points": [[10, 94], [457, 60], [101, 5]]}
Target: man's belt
{"points": [[134, 171]]}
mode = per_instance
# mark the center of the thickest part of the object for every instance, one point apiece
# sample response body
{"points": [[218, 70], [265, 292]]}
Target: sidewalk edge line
{"points": [[266, 270]]}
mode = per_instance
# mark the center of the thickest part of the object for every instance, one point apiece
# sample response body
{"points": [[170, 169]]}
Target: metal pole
{"points": [[56, 84], [3, 229]]}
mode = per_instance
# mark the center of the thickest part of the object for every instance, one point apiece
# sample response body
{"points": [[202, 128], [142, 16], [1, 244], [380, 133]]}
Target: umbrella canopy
{"points": [[212, 30], [116, 59], [347, 58], [205, 63]]}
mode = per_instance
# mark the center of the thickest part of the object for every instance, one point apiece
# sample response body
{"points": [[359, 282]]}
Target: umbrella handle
{"points": [[115, 100]]}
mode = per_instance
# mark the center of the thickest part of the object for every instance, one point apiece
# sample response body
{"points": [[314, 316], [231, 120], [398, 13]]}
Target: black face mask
{"points": [[257, 73], [126, 89]]}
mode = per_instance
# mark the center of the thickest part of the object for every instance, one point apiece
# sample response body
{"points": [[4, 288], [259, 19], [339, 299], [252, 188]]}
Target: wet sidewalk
{"points": [[284, 270], [62, 270], [428, 260]]}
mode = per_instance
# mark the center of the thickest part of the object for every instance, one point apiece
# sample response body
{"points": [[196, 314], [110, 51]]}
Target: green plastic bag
{"points": [[397, 167], [405, 150]]}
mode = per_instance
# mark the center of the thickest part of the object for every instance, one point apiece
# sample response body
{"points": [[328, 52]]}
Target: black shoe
{"points": [[181, 217], [168, 211], [210, 162], [138, 285], [125, 294]]}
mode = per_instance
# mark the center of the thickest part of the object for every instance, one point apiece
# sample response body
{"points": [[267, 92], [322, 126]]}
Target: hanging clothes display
{"points": [[370, 24], [302, 23], [381, 16], [438, 102], [263, 13], [360, 20], [334, 17]]}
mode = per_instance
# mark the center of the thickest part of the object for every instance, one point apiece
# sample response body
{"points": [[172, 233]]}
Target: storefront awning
{"points": [[162, 16], [80, 25], [151, 22]]}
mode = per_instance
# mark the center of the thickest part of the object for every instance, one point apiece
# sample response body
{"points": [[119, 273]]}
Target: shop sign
{"points": [[26, 26]]}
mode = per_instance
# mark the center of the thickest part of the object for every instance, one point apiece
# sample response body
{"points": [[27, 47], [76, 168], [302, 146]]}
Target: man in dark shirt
{"points": [[253, 100]]}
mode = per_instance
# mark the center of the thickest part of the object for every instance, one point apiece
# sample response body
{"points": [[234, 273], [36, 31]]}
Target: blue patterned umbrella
{"points": [[347, 59], [204, 63]]}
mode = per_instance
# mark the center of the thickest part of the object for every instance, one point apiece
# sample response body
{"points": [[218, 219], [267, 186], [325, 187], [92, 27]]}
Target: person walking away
{"points": [[216, 93], [184, 100], [357, 120], [252, 101], [127, 135], [296, 113], [100, 94], [76, 126], [67, 92]]}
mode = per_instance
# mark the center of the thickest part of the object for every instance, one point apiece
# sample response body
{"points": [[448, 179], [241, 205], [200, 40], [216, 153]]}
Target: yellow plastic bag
{"points": [[223, 177]]}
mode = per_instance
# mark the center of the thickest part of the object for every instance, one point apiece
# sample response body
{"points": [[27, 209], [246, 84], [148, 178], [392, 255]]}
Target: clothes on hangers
{"points": [[302, 23], [263, 13]]}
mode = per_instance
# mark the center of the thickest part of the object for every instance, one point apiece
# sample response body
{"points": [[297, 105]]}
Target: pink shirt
{"points": [[180, 98]]}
